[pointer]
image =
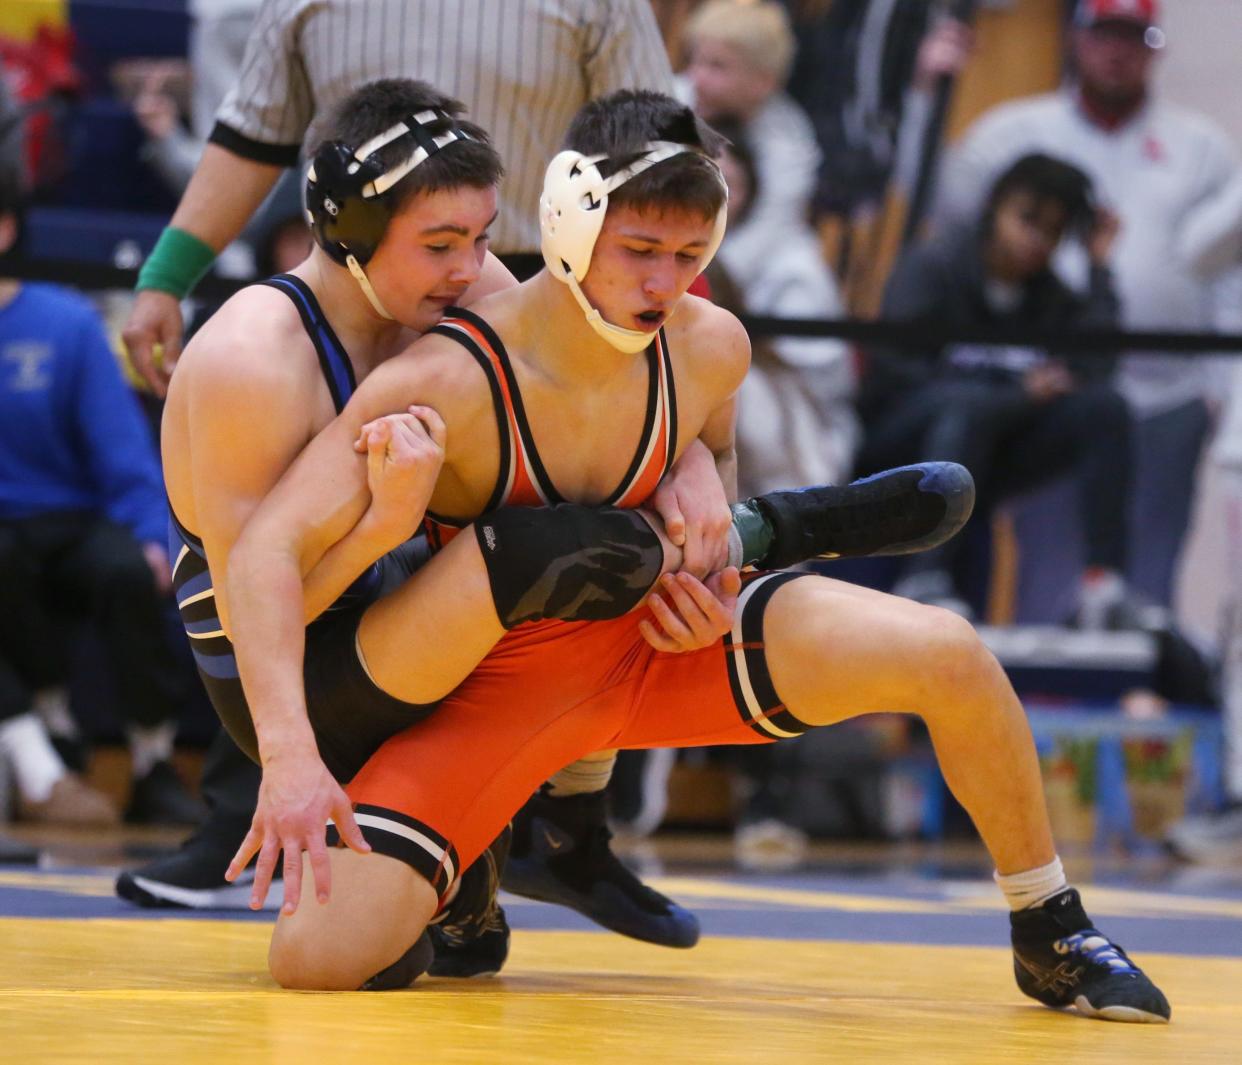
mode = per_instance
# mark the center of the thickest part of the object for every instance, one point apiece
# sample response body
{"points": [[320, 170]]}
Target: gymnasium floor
{"points": [[865, 955]]}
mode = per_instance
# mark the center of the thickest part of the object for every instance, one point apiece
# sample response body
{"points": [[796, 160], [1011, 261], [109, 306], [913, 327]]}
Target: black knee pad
{"points": [[568, 562], [406, 969]]}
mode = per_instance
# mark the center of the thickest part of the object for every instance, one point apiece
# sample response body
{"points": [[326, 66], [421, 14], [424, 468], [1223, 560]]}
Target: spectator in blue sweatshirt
{"points": [[82, 523]]}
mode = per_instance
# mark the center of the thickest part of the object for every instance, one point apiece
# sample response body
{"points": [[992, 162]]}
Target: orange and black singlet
{"points": [[522, 478]]}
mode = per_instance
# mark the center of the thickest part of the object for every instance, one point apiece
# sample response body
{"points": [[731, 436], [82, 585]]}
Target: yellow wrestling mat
{"points": [[195, 991]]}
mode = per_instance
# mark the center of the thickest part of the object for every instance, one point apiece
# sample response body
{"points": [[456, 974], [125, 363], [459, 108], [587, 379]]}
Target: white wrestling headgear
{"points": [[571, 215]]}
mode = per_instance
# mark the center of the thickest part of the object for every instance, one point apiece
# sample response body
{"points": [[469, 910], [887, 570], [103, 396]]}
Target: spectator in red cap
{"points": [[1164, 171]]}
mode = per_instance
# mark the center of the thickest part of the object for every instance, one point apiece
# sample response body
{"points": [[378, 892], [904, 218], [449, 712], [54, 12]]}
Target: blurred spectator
{"points": [[82, 524], [740, 54], [282, 239], [1015, 417], [1159, 168], [796, 422], [865, 72], [42, 81], [175, 117]]}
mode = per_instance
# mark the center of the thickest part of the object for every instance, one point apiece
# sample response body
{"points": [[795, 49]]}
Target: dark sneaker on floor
{"points": [[161, 798], [1061, 960], [897, 512], [471, 935], [193, 878], [561, 854]]}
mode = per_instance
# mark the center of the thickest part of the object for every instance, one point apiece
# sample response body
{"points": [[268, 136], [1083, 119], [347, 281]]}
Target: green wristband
{"points": [[176, 263]]}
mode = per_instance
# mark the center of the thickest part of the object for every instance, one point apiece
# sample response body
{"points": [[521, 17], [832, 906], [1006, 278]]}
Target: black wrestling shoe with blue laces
{"points": [[898, 512], [1060, 960], [471, 936], [562, 854]]}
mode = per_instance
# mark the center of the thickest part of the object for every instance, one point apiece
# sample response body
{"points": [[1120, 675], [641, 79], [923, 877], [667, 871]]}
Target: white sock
{"points": [[149, 744], [36, 766], [583, 777], [52, 704], [1024, 890]]}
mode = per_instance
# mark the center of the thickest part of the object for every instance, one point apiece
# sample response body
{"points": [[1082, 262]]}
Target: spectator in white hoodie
{"points": [[796, 420]]}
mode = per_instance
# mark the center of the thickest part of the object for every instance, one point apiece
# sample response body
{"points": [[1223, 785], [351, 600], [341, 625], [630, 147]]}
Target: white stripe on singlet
{"points": [[205, 635], [208, 594], [413, 835], [753, 708], [521, 67]]}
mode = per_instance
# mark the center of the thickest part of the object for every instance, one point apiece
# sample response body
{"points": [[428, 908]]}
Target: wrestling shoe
{"points": [[561, 854], [1060, 960], [897, 512], [405, 970], [470, 935]]}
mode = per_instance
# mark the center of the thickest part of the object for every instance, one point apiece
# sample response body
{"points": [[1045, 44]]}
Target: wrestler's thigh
{"points": [[835, 650], [377, 908], [422, 640], [440, 791]]}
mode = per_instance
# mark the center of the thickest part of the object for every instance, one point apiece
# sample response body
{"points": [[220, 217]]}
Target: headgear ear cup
{"points": [[343, 221], [571, 215], [346, 203]]}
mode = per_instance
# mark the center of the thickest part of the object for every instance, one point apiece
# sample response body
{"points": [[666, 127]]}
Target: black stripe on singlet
{"points": [[653, 397], [537, 469], [670, 397], [498, 402], [338, 371]]}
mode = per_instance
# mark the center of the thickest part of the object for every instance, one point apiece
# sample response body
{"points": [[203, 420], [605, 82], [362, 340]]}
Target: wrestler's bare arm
{"points": [[323, 496], [717, 358], [248, 416]]}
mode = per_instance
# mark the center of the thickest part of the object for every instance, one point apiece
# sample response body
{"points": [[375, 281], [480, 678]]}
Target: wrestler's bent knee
{"points": [[949, 654], [568, 562], [302, 962]]}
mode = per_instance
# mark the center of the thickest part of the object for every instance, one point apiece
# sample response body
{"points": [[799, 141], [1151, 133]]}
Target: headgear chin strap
{"points": [[345, 203], [571, 215]]}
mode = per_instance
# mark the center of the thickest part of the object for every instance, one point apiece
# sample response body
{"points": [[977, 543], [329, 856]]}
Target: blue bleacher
{"points": [[108, 30], [90, 235]]}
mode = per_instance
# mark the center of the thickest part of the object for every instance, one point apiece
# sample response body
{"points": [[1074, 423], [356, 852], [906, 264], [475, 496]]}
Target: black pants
{"points": [[1012, 444], [60, 567], [230, 787]]}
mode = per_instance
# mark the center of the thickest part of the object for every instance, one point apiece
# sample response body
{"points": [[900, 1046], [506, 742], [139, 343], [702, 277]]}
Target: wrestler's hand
{"points": [[690, 615], [296, 797], [404, 455], [691, 501], [152, 336]]}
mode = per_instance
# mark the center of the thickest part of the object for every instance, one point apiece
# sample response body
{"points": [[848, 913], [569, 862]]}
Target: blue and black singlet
{"points": [[192, 579]]}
